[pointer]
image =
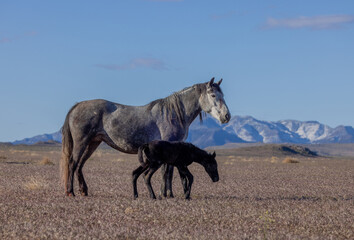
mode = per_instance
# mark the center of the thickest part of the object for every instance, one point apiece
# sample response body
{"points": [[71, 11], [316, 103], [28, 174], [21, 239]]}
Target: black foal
{"points": [[179, 154]]}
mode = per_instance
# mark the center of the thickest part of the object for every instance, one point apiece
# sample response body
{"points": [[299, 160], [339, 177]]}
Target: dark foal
{"points": [[179, 154]]}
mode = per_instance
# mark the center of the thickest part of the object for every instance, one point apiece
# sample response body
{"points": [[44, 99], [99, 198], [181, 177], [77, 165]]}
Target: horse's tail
{"points": [[67, 149], [142, 151]]}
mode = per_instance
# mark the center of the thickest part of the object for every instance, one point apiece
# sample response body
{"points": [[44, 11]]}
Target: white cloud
{"points": [[317, 22]]}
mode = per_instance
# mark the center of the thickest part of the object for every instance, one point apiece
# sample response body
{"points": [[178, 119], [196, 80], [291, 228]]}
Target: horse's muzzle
{"points": [[215, 179], [226, 118]]}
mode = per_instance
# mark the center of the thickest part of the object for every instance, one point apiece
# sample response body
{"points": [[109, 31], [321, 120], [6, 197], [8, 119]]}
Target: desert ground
{"points": [[263, 193]]}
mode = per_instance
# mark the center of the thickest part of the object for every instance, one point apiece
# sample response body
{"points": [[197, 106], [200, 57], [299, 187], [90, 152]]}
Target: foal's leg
{"points": [[163, 182], [169, 181], [184, 181], [166, 185], [88, 152], [187, 180], [147, 179], [136, 173]]}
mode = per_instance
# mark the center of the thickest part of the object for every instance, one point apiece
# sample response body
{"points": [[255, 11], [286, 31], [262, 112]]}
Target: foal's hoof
{"points": [[169, 194]]}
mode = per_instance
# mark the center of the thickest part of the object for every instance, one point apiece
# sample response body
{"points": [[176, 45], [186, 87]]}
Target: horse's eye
{"points": [[213, 95]]}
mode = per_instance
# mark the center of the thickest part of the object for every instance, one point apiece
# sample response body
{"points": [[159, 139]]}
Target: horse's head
{"points": [[211, 166], [212, 102]]}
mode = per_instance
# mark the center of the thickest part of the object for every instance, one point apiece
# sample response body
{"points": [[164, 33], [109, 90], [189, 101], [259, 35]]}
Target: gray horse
{"points": [[126, 128]]}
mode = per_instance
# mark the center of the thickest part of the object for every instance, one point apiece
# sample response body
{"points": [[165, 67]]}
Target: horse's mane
{"points": [[173, 103]]}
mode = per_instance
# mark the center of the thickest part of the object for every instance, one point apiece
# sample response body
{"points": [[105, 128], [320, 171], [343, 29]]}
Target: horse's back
{"points": [[87, 112]]}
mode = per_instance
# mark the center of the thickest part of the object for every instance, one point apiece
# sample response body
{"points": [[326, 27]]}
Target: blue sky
{"points": [[279, 59]]}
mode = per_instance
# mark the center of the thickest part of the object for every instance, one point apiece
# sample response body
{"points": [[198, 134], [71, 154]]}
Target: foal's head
{"points": [[212, 102], [211, 166]]}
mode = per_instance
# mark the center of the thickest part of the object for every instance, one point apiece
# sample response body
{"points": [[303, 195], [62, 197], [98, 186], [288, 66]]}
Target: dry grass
{"points": [[35, 183], [254, 199], [274, 159], [46, 161], [290, 160]]}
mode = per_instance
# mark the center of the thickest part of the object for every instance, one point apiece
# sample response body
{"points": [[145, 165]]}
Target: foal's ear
{"points": [[214, 154], [210, 83], [219, 82]]}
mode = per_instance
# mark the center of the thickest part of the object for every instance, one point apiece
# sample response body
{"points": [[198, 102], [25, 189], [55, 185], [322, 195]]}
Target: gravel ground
{"points": [[256, 198]]}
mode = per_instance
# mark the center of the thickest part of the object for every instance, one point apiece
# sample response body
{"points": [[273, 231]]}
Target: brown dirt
{"points": [[257, 197]]}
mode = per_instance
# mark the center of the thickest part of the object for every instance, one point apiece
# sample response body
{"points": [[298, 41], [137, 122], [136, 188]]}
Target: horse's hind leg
{"points": [[87, 154], [78, 151], [70, 182]]}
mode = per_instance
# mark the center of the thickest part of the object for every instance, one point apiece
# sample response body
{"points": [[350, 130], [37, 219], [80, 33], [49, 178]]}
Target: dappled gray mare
{"points": [[126, 128]]}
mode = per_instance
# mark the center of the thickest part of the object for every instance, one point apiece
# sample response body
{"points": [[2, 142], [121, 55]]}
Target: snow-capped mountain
{"points": [[248, 129]]}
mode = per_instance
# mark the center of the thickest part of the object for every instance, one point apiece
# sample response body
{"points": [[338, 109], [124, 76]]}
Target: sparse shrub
{"points": [[267, 221], [274, 159], [290, 160], [35, 184], [46, 161], [3, 157], [129, 210]]}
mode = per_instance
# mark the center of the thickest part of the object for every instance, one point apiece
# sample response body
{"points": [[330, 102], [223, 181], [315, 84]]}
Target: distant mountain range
{"points": [[242, 129], [40, 138], [248, 129]]}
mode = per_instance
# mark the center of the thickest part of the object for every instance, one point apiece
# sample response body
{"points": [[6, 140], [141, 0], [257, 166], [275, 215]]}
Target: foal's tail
{"points": [[67, 149]]}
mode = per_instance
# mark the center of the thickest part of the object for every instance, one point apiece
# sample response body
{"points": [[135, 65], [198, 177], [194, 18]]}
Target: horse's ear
{"points": [[214, 154], [219, 82], [211, 82]]}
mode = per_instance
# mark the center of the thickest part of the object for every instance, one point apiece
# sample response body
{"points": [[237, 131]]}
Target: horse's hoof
{"points": [[70, 194], [84, 194]]}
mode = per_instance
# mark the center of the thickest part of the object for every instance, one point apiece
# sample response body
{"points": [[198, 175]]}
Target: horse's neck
{"points": [[190, 101]]}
